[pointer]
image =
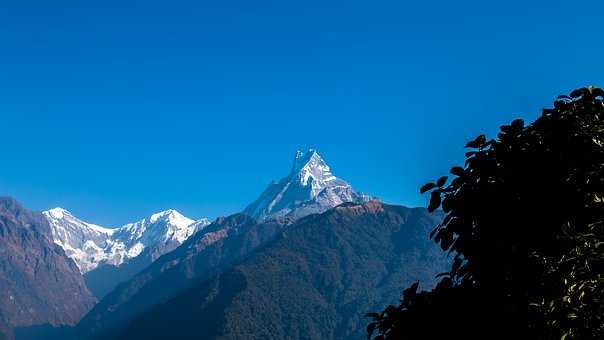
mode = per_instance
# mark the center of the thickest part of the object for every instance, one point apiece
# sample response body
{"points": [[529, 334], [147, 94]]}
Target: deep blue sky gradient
{"points": [[116, 110]]}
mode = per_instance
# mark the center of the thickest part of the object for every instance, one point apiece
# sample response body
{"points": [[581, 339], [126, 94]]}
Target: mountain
{"points": [[305, 261], [87, 244], [161, 232], [39, 284], [316, 280], [310, 188], [214, 249], [109, 256]]}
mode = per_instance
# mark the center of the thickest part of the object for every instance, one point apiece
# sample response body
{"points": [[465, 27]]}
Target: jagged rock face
{"points": [[91, 245], [39, 284], [309, 188]]}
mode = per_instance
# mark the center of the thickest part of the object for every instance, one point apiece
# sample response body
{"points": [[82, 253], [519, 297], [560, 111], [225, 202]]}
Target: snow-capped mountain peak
{"points": [[90, 245], [81, 241], [57, 212], [161, 227], [172, 216], [310, 167], [62, 214], [309, 188]]}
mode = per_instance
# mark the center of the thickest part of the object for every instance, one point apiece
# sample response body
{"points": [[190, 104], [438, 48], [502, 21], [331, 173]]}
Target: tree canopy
{"points": [[524, 222]]}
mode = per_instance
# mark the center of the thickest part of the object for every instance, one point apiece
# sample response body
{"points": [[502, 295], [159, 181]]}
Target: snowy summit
{"points": [[90, 245], [309, 188]]}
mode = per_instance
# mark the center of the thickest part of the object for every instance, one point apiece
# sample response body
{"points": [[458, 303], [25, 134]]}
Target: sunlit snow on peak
{"points": [[309, 188], [57, 212], [90, 245]]}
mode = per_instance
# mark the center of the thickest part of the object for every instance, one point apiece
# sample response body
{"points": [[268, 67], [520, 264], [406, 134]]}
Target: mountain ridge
{"points": [[91, 245]]}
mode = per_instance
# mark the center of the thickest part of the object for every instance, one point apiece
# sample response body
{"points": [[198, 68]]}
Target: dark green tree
{"points": [[524, 222]]}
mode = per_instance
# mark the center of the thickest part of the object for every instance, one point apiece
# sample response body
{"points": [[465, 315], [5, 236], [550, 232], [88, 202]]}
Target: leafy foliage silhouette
{"points": [[524, 222]]}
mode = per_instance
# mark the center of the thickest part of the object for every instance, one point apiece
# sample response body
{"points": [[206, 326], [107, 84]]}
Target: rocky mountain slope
{"points": [[39, 284]]}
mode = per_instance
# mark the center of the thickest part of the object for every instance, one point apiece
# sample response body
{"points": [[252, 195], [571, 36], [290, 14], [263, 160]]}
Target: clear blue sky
{"points": [[117, 109]]}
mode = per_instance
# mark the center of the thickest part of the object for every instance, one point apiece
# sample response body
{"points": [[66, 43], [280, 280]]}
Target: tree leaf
{"points": [[517, 124], [578, 92], [441, 181], [370, 329], [434, 201], [597, 92], [411, 291], [480, 140], [472, 144], [426, 187], [456, 264], [457, 171], [434, 231], [446, 204]]}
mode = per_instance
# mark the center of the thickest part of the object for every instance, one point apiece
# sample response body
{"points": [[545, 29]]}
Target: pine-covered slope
{"points": [[217, 247], [315, 281]]}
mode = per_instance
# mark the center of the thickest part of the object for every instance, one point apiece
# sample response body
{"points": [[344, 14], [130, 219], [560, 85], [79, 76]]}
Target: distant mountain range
{"points": [[305, 260], [90, 245], [108, 256], [309, 188]]}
